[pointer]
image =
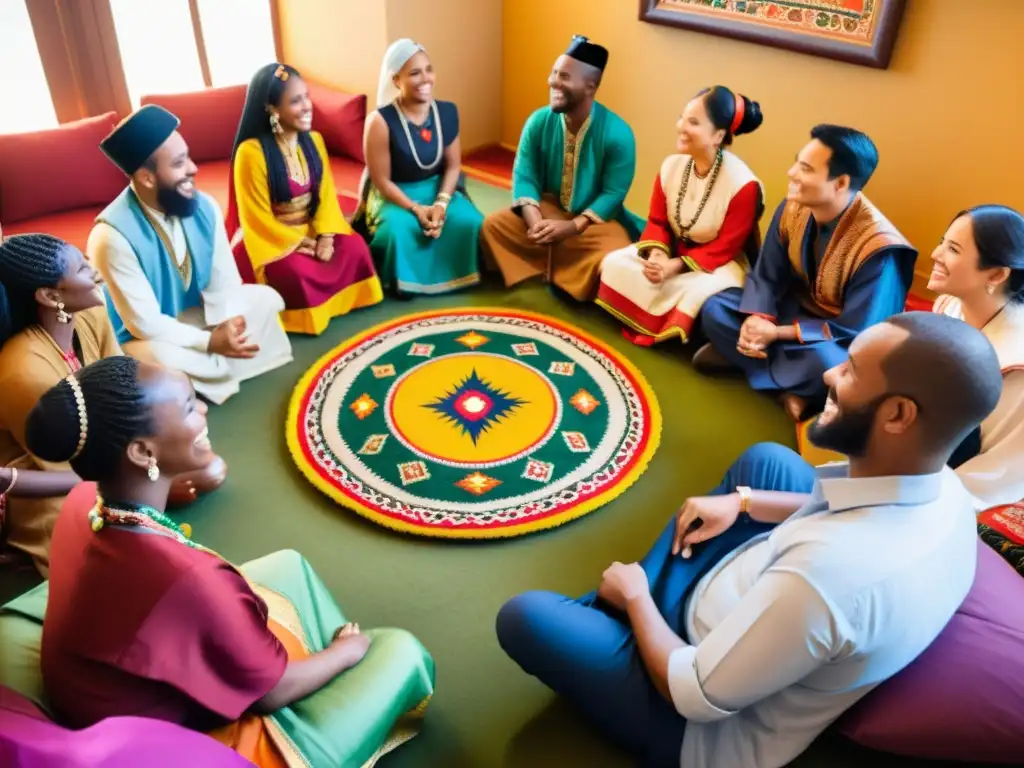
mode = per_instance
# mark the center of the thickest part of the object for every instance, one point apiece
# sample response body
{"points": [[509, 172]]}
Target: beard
{"points": [[849, 430], [571, 102], [174, 203]]}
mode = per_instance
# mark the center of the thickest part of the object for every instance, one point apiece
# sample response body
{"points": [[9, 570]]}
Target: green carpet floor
{"points": [[486, 712]]}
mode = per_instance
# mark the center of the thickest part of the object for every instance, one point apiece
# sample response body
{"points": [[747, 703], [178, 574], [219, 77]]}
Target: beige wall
{"points": [[463, 38], [342, 42], [335, 42], [945, 115]]}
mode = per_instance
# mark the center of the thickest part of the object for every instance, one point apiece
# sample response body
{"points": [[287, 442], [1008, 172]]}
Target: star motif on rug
{"points": [[475, 405], [584, 402], [413, 472], [473, 340], [363, 406], [540, 471], [478, 483]]}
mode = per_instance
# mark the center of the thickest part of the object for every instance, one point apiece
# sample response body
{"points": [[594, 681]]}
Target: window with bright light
{"points": [[239, 37], [27, 103], [158, 47]]}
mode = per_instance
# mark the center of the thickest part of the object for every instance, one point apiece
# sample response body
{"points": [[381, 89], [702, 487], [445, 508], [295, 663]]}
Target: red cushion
{"points": [[209, 119], [46, 172], [213, 179], [339, 117], [71, 226]]}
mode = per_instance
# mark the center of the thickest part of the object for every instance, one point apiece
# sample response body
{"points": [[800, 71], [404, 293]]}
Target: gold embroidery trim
{"points": [[185, 267], [295, 212], [861, 232], [571, 147]]}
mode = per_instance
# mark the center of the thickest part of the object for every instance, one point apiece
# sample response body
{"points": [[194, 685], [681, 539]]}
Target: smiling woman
{"points": [[287, 225], [53, 321], [423, 227]]}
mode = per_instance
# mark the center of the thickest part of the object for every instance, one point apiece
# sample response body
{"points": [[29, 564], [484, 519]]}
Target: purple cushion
{"points": [[963, 698]]}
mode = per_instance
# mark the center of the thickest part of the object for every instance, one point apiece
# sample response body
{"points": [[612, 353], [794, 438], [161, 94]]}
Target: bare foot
{"points": [[794, 405], [352, 642]]}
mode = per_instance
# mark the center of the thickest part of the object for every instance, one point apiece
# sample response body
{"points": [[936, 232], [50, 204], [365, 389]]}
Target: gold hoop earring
{"points": [[153, 471], [275, 123], [62, 316]]}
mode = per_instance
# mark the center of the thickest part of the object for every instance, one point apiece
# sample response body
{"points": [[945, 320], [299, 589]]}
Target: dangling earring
{"points": [[990, 289], [62, 316], [275, 123], [153, 471]]}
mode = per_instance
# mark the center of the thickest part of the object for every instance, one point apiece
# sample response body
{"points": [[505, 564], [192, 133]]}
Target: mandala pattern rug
{"points": [[473, 423]]}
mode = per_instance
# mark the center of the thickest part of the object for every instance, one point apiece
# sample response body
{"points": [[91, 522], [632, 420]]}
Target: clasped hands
{"points": [[756, 335], [431, 218], [322, 248], [699, 519]]}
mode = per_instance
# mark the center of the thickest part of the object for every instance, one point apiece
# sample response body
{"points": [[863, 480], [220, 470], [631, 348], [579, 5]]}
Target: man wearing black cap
{"points": [[574, 166], [174, 294]]}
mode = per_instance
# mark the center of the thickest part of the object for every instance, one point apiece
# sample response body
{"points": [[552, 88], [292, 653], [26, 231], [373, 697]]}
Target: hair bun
{"points": [[752, 117], [52, 430]]}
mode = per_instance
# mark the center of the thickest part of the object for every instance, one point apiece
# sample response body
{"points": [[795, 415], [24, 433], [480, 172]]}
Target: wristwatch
{"points": [[745, 494]]}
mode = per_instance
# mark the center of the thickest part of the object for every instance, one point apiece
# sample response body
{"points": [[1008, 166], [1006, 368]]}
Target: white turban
{"points": [[396, 57]]}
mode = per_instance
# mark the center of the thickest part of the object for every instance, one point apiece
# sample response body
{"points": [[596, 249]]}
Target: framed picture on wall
{"points": [[856, 31]]}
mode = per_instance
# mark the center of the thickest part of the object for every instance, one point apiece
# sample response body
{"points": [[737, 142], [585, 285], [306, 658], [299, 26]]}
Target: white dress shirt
{"points": [[794, 627]]}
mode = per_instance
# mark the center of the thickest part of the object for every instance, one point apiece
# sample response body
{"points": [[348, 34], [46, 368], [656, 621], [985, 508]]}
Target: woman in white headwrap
{"points": [[424, 232]]}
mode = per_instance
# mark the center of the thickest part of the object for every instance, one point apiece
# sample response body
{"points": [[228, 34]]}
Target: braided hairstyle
{"points": [[266, 89], [27, 263], [720, 104], [117, 412]]}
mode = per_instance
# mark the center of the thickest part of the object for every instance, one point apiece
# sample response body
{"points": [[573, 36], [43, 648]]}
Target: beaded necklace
{"points": [[408, 136], [144, 516], [296, 169], [684, 230]]}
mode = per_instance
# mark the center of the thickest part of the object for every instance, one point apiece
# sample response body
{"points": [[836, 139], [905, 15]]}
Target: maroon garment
{"points": [[305, 282], [139, 624]]}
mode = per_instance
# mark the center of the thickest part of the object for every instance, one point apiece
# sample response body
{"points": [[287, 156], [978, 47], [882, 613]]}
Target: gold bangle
{"points": [[444, 197], [745, 494]]}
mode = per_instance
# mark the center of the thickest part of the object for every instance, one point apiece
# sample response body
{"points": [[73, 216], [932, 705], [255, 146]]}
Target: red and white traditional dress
{"points": [[714, 249]]}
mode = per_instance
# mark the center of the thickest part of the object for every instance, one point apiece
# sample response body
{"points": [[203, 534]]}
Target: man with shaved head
{"points": [[769, 607], [573, 168]]}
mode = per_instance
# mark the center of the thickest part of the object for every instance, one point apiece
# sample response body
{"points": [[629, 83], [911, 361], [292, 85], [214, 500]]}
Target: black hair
{"points": [[999, 238], [720, 104], [117, 412], [963, 382], [27, 263], [854, 154], [265, 90]]}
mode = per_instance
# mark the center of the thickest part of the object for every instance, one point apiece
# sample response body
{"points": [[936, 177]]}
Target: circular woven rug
{"points": [[473, 423]]}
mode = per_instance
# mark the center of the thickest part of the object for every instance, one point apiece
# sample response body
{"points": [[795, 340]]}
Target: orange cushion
{"points": [[339, 117], [209, 119], [70, 226], [47, 172]]}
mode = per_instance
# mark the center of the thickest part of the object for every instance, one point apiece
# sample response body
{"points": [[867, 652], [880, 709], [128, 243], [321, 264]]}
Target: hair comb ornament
{"points": [[281, 73], [83, 419]]}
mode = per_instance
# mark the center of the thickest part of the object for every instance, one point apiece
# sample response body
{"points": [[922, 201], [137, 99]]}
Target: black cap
{"points": [[590, 53]]}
